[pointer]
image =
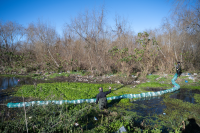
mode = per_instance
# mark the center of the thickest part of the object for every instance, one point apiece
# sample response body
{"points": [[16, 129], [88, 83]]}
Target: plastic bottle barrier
{"points": [[141, 95]]}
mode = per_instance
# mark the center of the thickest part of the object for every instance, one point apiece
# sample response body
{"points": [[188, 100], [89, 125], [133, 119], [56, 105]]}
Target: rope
{"points": [[141, 95]]}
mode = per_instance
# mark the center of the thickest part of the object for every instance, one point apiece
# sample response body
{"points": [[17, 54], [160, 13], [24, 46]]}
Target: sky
{"points": [[140, 14]]}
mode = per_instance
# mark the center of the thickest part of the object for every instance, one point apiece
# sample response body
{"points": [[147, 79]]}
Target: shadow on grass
{"points": [[192, 127]]}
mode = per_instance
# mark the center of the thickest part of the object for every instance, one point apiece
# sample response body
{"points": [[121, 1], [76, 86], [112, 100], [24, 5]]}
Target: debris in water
{"points": [[121, 130], [76, 124]]}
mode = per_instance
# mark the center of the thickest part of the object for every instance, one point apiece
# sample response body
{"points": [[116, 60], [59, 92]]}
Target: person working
{"points": [[178, 69], [101, 97]]}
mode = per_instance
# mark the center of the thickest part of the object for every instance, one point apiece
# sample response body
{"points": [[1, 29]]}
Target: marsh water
{"points": [[7, 85], [151, 105]]}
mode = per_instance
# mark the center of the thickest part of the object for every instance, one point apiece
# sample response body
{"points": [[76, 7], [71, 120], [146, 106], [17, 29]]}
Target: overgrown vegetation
{"points": [[73, 91], [93, 47], [62, 118]]}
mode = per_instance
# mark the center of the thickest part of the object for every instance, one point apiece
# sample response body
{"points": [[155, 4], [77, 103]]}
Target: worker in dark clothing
{"points": [[101, 98], [178, 69]]}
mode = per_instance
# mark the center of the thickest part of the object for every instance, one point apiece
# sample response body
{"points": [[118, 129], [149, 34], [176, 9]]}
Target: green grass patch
{"points": [[73, 91], [152, 77], [193, 87], [124, 103], [57, 75], [197, 98], [153, 85], [65, 91]]}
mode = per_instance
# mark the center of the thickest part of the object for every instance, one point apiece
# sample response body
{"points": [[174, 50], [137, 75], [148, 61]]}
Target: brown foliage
{"points": [[87, 40]]}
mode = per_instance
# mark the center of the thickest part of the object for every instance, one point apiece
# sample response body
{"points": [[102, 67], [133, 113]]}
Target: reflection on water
{"points": [[155, 105], [8, 82], [185, 95], [149, 106]]}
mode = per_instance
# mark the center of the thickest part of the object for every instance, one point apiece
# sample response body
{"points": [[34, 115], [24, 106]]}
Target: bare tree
{"points": [[42, 36], [10, 33]]}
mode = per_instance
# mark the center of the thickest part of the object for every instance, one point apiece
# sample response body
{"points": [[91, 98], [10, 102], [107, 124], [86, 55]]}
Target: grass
{"points": [[197, 98], [57, 75], [152, 77], [65, 91], [154, 85], [192, 87]]}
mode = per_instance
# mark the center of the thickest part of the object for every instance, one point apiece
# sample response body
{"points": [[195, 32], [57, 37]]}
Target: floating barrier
{"points": [[141, 95]]}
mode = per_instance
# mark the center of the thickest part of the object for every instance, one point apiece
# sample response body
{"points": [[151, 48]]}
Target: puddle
{"points": [[155, 105], [185, 95], [149, 106]]}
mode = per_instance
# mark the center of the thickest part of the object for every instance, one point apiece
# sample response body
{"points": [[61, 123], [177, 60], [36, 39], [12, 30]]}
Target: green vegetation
{"points": [[154, 85], [73, 91], [61, 118], [197, 98], [193, 87], [57, 75], [152, 77], [65, 91]]}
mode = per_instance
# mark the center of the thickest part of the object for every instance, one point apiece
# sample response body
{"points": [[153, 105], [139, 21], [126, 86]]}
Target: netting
{"points": [[141, 95]]}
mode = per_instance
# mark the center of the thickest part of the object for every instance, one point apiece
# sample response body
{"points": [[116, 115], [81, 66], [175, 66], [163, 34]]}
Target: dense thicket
{"points": [[88, 43]]}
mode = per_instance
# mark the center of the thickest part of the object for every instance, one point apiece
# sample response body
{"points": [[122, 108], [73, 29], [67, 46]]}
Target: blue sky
{"points": [[140, 14]]}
